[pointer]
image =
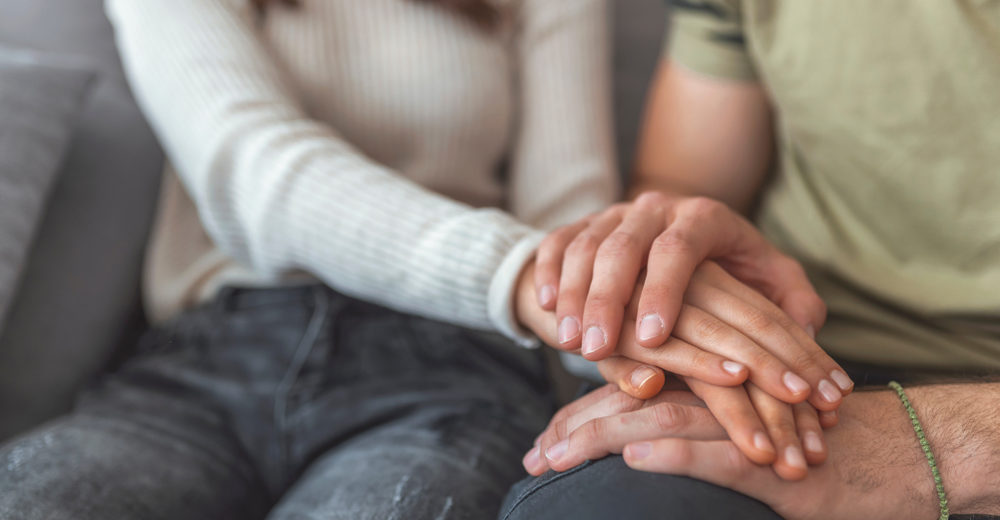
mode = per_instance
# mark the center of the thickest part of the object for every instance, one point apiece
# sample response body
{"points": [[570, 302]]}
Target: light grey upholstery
{"points": [[78, 296]]}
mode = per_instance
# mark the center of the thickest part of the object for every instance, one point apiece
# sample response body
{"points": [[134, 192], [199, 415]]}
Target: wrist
{"points": [[965, 442]]}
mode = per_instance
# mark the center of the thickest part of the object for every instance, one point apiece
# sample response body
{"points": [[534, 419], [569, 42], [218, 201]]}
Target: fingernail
{"points": [[641, 375], [794, 457], [762, 443], [532, 459], [546, 295], [639, 451], [842, 380], [828, 391], [811, 331], [796, 384], [732, 367], [813, 442], [593, 340], [650, 327], [557, 450], [569, 328]]}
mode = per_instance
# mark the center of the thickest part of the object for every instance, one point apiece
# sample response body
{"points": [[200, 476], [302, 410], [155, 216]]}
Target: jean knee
{"points": [[607, 488]]}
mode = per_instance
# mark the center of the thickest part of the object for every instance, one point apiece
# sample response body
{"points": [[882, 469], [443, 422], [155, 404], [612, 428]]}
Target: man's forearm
{"points": [[962, 423]]}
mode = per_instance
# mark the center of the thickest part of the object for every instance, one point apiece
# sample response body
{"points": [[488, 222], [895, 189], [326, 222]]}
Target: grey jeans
{"points": [[289, 403]]}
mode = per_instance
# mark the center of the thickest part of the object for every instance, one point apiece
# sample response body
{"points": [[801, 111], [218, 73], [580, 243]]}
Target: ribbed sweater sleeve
{"points": [[282, 192]]}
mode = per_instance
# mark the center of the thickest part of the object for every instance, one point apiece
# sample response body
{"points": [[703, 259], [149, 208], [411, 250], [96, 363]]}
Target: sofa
{"points": [[76, 310]]}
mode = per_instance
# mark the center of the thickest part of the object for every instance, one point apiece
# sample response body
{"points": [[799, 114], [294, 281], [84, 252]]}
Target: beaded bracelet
{"points": [[925, 446]]}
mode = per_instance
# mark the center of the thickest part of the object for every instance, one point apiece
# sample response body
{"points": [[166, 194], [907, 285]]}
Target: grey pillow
{"points": [[40, 98]]}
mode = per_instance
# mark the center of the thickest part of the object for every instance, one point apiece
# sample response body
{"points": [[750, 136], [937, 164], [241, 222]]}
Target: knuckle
{"points": [[676, 240], [585, 243], [651, 200], [669, 417], [759, 323], [623, 402], [618, 245], [703, 207], [710, 329], [591, 432]]}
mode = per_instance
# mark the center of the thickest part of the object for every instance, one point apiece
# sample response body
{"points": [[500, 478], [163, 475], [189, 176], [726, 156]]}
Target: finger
{"points": [[637, 379], [707, 332], [811, 432], [698, 228], [803, 368], [534, 462], [779, 419], [731, 406], [548, 262], [810, 352], [576, 274], [606, 435], [791, 290], [718, 462], [618, 403], [614, 403], [683, 359], [828, 419], [616, 270]]}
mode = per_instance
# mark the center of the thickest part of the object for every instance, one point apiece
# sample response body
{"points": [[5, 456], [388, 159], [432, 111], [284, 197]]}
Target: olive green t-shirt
{"points": [[887, 184]]}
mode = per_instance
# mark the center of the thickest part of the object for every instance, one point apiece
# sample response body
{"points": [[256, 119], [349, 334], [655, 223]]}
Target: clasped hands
{"points": [[687, 287]]}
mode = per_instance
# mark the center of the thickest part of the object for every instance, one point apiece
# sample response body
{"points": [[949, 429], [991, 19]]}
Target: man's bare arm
{"points": [[704, 136], [962, 422]]}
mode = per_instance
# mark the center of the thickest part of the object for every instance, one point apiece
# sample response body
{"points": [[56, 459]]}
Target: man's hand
{"points": [[605, 420], [875, 469]]}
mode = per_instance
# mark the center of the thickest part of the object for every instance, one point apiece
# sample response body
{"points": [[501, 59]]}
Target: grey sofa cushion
{"points": [[78, 301], [639, 27], [40, 98]]}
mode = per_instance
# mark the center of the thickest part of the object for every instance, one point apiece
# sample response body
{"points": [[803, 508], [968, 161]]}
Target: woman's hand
{"points": [[644, 376], [587, 272], [604, 421]]}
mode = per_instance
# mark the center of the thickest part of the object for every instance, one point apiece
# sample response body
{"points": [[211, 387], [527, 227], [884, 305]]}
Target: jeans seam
{"points": [[535, 488], [305, 346]]}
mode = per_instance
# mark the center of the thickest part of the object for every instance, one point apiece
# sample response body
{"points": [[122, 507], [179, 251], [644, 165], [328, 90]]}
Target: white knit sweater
{"points": [[360, 142]]}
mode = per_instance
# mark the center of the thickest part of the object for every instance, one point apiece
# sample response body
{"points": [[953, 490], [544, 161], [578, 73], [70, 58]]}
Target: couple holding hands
{"points": [[814, 210]]}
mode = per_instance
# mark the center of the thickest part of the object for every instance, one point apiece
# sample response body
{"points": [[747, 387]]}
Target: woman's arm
{"points": [[280, 191]]}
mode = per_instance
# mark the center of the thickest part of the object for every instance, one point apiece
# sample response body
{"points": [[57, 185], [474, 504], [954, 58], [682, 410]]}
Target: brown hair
{"points": [[479, 12]]}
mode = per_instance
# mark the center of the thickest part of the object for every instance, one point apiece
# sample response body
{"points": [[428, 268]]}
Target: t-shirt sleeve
{"points": [[707, 37]]}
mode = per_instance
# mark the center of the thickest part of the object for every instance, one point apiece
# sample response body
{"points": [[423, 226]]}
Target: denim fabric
{"points": [[289, 404], [607, 488]]}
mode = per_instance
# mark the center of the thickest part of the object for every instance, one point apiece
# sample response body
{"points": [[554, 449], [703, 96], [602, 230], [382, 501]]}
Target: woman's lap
{"points": [[353, 407]]}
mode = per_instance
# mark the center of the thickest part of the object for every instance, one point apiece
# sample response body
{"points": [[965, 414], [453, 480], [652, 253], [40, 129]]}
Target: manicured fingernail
{"points": [[532, 459], [641, 375], [794, 457], [762, 443], [829, 392], [813, 442], [557, 450], [546, 295], [811, 331], [794, 383], [569, 328], [732, 367], [639, 451], [842, 380], [650, 327], [593, 340]]}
